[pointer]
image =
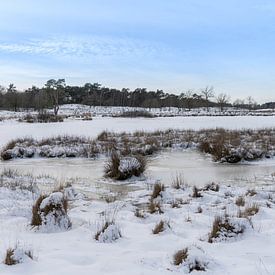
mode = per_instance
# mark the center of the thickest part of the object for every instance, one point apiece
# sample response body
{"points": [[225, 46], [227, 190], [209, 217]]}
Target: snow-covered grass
{"points": [[239, 245]]}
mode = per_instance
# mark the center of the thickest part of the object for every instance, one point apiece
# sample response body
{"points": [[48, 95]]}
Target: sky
{"points": [[174, 45]]}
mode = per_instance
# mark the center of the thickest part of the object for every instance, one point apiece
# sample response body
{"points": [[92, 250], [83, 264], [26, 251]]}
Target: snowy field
{"points": [[11, 129], [244, 245]]}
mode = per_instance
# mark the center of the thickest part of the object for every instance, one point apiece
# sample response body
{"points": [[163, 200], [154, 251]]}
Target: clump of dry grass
{"points": [[212, 187], [57, 209], [113, 235], [240, 201], [160, 227], [196, 193], [249, 211], [223, 228], [180, 256], [178, 181], [157, 189], [114, 170], [36, 213], [154, 207], [12, 259]]}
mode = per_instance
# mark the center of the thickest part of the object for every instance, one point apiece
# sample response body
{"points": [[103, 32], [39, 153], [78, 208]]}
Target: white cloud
{"points": [[84, 47]]}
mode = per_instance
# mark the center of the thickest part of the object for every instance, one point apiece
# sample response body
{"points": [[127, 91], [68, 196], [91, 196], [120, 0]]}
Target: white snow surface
{"points": [[11, 129], [139, 251]]}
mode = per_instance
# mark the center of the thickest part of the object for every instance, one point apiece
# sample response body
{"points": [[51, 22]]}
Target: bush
{"points": [[122, 168], [17, 255], [191, 258], [154, 207], [196, 193], [158, 188], [240, 201], [140, 113], [160, 227], [50, 212], [223, 228], [108, 232], [180, 256]]}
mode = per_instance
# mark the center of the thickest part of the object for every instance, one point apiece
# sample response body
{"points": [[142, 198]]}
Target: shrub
{"points": [[160, 227], [240, 201], [122, 168], [154, 207], [212, 187], [180, 256], [191, 258], [196, 193], [17, 255], [223, 228], [158, 188], [138, 113], [108, 232], [50, 212]]}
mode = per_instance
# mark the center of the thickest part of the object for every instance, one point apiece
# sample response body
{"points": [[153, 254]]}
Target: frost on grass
{"points": [[122, 168], [17, 255], [49, 213]]}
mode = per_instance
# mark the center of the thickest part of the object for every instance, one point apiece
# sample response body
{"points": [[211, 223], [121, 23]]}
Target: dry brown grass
{"points": [[154, 207], [240, 201], [180, 256], [157, 189], [222, 225], [249, 211], [9, 258], [196, 193]]}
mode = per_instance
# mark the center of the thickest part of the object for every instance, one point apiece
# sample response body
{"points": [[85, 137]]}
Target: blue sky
{"points": [[172, 45]]}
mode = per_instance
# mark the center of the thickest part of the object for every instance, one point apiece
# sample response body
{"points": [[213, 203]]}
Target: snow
{"points": [[128, 164], [138, 250], [128, 245], [11, 129]]}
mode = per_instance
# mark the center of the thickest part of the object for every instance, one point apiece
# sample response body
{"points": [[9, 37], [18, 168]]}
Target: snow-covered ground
{"points": [[92, 198], [188, 222], [11, 129]]}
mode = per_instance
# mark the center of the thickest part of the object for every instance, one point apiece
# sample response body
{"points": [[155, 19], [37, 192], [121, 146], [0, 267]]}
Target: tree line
{"points": [[56, 92]]}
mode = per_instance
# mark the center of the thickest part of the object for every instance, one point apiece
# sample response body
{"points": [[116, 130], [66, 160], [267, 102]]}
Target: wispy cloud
{"points": [[84, 47]]}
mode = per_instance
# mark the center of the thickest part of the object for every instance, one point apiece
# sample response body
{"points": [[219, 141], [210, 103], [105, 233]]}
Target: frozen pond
{"points": [[196, 168], [11, 129]]}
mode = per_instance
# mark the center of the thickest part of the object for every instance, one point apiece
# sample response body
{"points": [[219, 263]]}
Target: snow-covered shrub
{"points": [[224, 228], [17, 255], [191, 259], [121, 168], [108, 232], [50, 213], [196, 192]]}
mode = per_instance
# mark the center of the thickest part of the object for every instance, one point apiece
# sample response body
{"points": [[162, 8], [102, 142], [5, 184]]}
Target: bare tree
{"points": [[251, 102], [222, 100], [54, 89], [187, 98], [207, 93]]}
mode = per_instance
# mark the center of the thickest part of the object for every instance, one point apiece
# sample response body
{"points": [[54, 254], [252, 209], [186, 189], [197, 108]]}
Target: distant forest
{"points": [[56, 92]]}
